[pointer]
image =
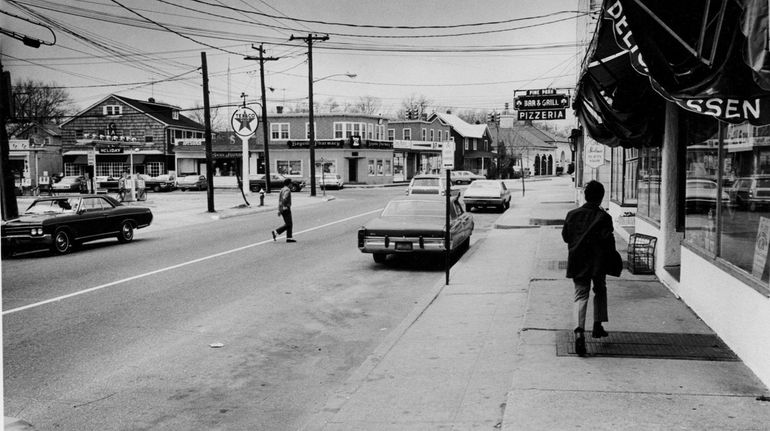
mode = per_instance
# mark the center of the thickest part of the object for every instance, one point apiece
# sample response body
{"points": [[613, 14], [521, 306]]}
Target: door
{"points": [[352, 170], [92, 220]]}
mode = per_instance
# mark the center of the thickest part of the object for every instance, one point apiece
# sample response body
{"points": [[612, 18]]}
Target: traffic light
{"points": [[497, 117], [489, 117]]}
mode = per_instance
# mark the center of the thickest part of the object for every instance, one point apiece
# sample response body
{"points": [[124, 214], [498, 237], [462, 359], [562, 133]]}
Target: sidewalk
{"points": [[491, 350]]}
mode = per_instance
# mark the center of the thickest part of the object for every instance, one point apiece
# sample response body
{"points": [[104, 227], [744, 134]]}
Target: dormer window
{"points": [[112, 110], [175, 115]]}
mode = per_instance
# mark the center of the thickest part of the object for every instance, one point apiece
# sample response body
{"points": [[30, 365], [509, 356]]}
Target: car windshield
{"points": [[484, 185], [425, 182], [414, 209], [53, 206], [763, 184]]}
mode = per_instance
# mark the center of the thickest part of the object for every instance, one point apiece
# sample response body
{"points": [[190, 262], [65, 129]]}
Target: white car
{"points": [[465, 177], [430, 184], [487, 193], [329, 181]]}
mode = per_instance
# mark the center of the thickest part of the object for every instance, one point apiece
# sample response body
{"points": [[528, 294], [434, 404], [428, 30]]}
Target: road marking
{"points": [[180, 265]]}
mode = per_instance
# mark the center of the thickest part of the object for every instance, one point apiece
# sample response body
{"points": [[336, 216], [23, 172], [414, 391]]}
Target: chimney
{"points": [[449, 111], [151, 100]]}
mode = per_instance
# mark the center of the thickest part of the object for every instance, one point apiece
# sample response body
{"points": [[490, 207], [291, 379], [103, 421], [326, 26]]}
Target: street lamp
{"points": [[349, 75]]}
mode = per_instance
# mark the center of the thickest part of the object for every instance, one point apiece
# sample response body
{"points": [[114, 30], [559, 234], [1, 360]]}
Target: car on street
{"points": [[329, 181], [487, 193], [71, 184], [66, 221], [465, 177], [751, 192], [257, 182], [430, 184], [416, 224], [107, 183], [161, 183], [701, 196], [192, 182]]}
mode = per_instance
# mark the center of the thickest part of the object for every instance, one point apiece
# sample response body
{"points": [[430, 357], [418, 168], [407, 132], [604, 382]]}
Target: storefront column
{"points": [[669, 243]]}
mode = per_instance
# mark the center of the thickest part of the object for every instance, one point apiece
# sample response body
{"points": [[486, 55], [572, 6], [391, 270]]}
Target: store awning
{"points": [[710, 58]]}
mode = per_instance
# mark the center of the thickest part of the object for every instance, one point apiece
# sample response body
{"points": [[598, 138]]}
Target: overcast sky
{"points": [[118, 46]]}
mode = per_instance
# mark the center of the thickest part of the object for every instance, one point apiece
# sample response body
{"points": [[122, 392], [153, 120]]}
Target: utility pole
{"points": [[207, 134], [309, 40], [10, 208], [262, 59]]}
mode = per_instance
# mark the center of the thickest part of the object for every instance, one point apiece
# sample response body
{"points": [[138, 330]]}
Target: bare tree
{"points": [[332, 104], [421, 102], [218, 122], [367, 105], [39, 103]]}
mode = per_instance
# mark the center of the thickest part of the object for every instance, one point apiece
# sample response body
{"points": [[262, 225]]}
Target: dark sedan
{"points": [[62, 222], [415, 224], [257, 182]]}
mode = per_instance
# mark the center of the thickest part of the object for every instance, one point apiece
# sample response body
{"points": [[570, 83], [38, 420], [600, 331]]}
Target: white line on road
{"points": [[169, 268]]}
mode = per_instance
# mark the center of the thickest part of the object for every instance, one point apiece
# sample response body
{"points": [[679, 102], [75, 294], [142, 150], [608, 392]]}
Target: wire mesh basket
{"points": [[641, 253]]}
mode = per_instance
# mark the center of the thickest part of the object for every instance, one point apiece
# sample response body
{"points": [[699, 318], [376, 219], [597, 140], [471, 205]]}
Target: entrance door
{"points": [[352, 170]]}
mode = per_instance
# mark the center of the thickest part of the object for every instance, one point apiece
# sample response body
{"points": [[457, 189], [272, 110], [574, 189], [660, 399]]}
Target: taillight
{"points": [[361, 235]]}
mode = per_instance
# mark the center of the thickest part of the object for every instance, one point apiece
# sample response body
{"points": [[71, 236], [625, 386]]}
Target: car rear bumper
{"points": [[483, 201], [386, 245]]}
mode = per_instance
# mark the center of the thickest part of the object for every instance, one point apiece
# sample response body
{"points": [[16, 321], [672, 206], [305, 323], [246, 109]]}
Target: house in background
{"points": [[536, 151], [474, 150], [118, 134], [35, 153], [417, 146]]}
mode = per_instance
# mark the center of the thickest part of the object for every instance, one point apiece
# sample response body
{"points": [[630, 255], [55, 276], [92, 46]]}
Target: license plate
{"points": [[403, 246]]}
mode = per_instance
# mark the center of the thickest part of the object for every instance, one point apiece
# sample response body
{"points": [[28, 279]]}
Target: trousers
{"points": [[288, 224], [582, 289]]}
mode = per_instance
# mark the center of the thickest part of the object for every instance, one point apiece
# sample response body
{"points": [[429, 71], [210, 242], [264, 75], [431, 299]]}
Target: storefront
{"points": [[685, 106], [415, 157]]}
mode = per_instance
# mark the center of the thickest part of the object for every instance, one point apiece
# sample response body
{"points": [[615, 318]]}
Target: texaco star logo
{"points": [[245, 121]]}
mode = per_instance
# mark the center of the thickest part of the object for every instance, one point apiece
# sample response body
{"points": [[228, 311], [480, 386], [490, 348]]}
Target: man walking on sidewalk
{"points": [[284, 210], [588, 232]]}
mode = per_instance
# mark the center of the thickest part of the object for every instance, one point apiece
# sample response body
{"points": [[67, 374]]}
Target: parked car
{"points": [[327, 181], [415, 224], [62, 222], [107, 183], [487, 193], [751, 192], [71, 184], [465, 177], [431, 184], [192, 182], [701, 195], [257, 182], [161, 183]]}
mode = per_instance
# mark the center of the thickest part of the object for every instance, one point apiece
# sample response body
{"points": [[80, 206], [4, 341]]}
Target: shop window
{"points": [[380, 170], [326, 166], [279, 131], [154, 169], [624, 164], [388, 170], [648, 184], [371, 170], [148, 138], [727, 197], [289, 167]]}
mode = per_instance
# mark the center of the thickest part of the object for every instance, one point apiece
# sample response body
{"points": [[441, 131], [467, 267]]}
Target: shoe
{"points": [[598, 331], [273, 233], [580, 343], [291, 240]]}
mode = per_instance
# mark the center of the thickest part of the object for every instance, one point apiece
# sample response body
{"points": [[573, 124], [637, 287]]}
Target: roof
{"points": [[464, 129], [161, 111]]}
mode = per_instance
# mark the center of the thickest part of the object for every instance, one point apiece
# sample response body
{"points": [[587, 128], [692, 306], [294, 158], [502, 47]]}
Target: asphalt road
{"points": [[128, 342]]}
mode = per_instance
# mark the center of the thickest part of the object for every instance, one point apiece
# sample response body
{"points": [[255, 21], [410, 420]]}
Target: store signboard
{"points": [[542, 114], [448, 156], [761, 246], [594, 155]]}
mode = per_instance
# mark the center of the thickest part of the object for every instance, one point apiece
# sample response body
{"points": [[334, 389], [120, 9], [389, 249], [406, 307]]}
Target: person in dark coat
{"points": [[588, 233], [284, 210]]}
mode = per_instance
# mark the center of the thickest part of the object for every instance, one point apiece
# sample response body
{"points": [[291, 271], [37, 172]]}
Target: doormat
{"points": [[655, 345]]}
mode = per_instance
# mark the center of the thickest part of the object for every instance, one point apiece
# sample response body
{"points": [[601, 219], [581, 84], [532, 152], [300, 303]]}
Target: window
{"points": [[154, 169], [624, 171], [112, 110], [431, 135], [370, 131], [371, 167], [440, 137], [424, 134], [79, 134], [379, 167], [380, 132], [388, 170], [339, 130], [148, 138], [475, 145], [111, 169], [279, 131], [466, 145], [289, 167], [328, 167], [407, 134], [648, 183], [391, 134], [175, 115], [315, 130]]}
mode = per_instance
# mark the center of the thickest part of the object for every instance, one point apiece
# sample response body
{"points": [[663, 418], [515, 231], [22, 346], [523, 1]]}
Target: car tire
{"points": [[62, 242], [156, 189], [183, 189], [126, 233], [293, 187], [379, 257]]}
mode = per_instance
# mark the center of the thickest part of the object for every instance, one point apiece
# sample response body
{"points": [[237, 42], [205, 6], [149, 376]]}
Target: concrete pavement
{"points": [[487, 351], [483, 352]]}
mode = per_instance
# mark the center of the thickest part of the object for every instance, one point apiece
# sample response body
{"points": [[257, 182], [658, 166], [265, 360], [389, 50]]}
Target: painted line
{"points": [[180, 265]]}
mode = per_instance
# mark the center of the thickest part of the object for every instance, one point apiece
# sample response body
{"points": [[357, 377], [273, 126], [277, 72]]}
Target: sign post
{"points": [[244, 122], [448, 163]]}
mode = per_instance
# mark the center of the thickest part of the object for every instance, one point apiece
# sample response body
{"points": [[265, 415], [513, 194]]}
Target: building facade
{"points": [[417, 146], [36, 156], [474, 149], [677, 122], [118, 135]]}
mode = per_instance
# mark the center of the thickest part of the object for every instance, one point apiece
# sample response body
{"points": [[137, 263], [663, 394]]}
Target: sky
{"points": [[463, 55]]}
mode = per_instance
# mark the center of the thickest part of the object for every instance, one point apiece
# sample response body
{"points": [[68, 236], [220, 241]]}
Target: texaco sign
{"points": [[244, 121]]}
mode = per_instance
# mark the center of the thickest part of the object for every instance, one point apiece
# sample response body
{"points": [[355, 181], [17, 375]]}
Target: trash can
{"points": [[641, 253]]}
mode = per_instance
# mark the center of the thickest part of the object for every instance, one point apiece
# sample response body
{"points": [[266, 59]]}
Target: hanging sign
{"points": [[244, 121], [594, 155]]}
